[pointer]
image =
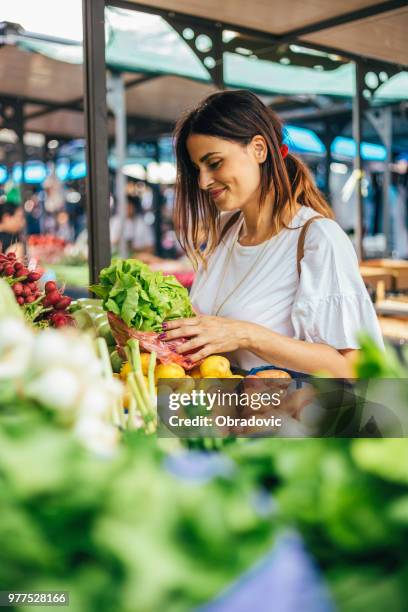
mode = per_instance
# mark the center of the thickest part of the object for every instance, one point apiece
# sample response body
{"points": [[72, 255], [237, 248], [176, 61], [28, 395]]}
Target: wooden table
{"points": [[394, 329], [397, 268]]}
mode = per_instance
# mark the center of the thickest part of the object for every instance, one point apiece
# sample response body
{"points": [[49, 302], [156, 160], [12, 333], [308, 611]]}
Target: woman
{"points": [[238, 181]]}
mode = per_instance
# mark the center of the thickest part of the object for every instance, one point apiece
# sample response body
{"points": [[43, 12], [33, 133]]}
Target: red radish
{"points": [[63, 303], [18, 288], [29, 299], [33, 286], [26, 291], [34, 276], [53, 297], [9, 270], [20, 300], [50, 286], [11, 256]]}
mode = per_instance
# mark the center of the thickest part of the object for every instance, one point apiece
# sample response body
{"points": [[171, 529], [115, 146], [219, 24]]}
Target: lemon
{"points": [[195, 372], [125, 370], [170, 370], [215, 366], [145, 358], [126, 398]]}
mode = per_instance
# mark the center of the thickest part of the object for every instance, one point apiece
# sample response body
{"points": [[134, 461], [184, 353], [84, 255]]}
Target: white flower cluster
{"points": [[60, 369]]}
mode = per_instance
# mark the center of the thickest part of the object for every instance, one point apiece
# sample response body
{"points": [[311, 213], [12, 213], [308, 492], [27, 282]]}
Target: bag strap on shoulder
{"points": [[301, 240]]}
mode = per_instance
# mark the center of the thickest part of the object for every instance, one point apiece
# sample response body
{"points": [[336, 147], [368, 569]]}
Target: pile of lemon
{"points": [[214, 366]]}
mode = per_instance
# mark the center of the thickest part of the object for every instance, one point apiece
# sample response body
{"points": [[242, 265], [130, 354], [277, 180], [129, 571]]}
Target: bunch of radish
{"points": [[58, 303], [24, 281], [49, 307]]}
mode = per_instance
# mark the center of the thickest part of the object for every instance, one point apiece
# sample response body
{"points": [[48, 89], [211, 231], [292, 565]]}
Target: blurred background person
{"points": [[12, 223]]}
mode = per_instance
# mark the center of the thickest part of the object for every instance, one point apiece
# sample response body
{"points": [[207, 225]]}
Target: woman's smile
{"points": [[216, 193]]}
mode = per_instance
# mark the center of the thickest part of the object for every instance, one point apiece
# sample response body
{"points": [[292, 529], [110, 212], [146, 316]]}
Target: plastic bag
{"points": [[149, 341]]}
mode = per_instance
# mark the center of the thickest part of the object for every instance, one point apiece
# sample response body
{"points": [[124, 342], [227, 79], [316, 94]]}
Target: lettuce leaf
{"points": [[141, 297]]}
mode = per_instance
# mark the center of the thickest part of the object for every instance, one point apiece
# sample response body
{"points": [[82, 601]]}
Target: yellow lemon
{"points": [[195, 372], [145, 358], [215, 366], [170, 370], [125, 370], [126, 398]]}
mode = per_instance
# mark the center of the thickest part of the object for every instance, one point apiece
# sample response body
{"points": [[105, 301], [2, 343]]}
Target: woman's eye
{"points": [[214, 165]]}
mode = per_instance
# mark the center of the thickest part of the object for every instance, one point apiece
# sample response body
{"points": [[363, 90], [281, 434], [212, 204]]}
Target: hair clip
{"points": [[284, 149]]}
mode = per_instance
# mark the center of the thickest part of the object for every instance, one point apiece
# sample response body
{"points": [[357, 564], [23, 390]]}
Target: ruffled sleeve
{"points": [[332, 305]]}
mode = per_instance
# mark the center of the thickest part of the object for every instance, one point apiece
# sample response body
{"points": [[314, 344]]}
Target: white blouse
{"points": [[329, 304]]}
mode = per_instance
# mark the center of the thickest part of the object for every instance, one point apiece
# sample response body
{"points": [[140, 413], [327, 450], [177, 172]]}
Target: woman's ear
{"points": [[259, 148]]}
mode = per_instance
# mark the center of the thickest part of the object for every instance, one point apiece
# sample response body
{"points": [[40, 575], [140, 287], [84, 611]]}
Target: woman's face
{"points": [[228, 171]]}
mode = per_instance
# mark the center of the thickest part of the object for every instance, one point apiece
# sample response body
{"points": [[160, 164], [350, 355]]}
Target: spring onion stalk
{"points": [[104, 356], [150, 377], [144, 409], [133, 355], [117, 415], [132, 413]]}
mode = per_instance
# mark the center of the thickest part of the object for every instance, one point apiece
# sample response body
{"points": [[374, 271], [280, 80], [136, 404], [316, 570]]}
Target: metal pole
{"points": [[157, 209], [358, 169], [97, 178], [382, 122], [387, 140], [117, 103]]}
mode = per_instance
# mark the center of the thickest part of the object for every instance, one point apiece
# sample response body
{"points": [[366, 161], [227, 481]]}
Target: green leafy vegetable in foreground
{"points": [[143, 299]]}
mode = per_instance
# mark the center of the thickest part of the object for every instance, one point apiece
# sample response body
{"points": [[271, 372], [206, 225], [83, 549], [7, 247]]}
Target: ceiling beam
{"points": [[343, 19], [77, 103]]}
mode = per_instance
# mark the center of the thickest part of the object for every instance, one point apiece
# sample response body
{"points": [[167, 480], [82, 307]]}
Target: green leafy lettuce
{"points": [[143, 299]]}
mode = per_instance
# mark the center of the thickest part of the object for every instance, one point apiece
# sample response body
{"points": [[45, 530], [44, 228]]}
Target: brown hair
{"points": [[236, 116]]}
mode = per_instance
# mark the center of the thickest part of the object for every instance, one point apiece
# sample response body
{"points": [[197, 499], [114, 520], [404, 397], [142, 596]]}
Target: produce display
{"points": [[43, 307], [45, 247], [93, 502]]}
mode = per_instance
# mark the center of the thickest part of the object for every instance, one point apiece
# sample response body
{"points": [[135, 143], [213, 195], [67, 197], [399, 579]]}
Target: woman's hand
{"points": [[209, 335]]}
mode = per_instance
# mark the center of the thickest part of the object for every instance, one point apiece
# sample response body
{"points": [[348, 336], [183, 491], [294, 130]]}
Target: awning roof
{"points": [[382, 36], [145, 44]]}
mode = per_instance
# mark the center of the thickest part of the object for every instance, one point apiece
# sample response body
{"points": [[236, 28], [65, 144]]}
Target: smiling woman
{"points": [[278, 281]]}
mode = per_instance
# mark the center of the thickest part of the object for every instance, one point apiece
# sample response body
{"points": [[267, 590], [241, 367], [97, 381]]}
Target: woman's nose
{"points": [[205, 180]]}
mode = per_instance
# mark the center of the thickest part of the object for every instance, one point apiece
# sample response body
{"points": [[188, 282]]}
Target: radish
{"points": [[50, 286], [9, 270], [34, 276], [29, 299], [63, 303], [20, 300], [26, 291], [11, 256], [54, 297], [18, 289]]}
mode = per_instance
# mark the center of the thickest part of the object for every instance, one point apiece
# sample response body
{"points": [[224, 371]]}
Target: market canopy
{"points": [[145, 43], [163, 74], [369, 28]]}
